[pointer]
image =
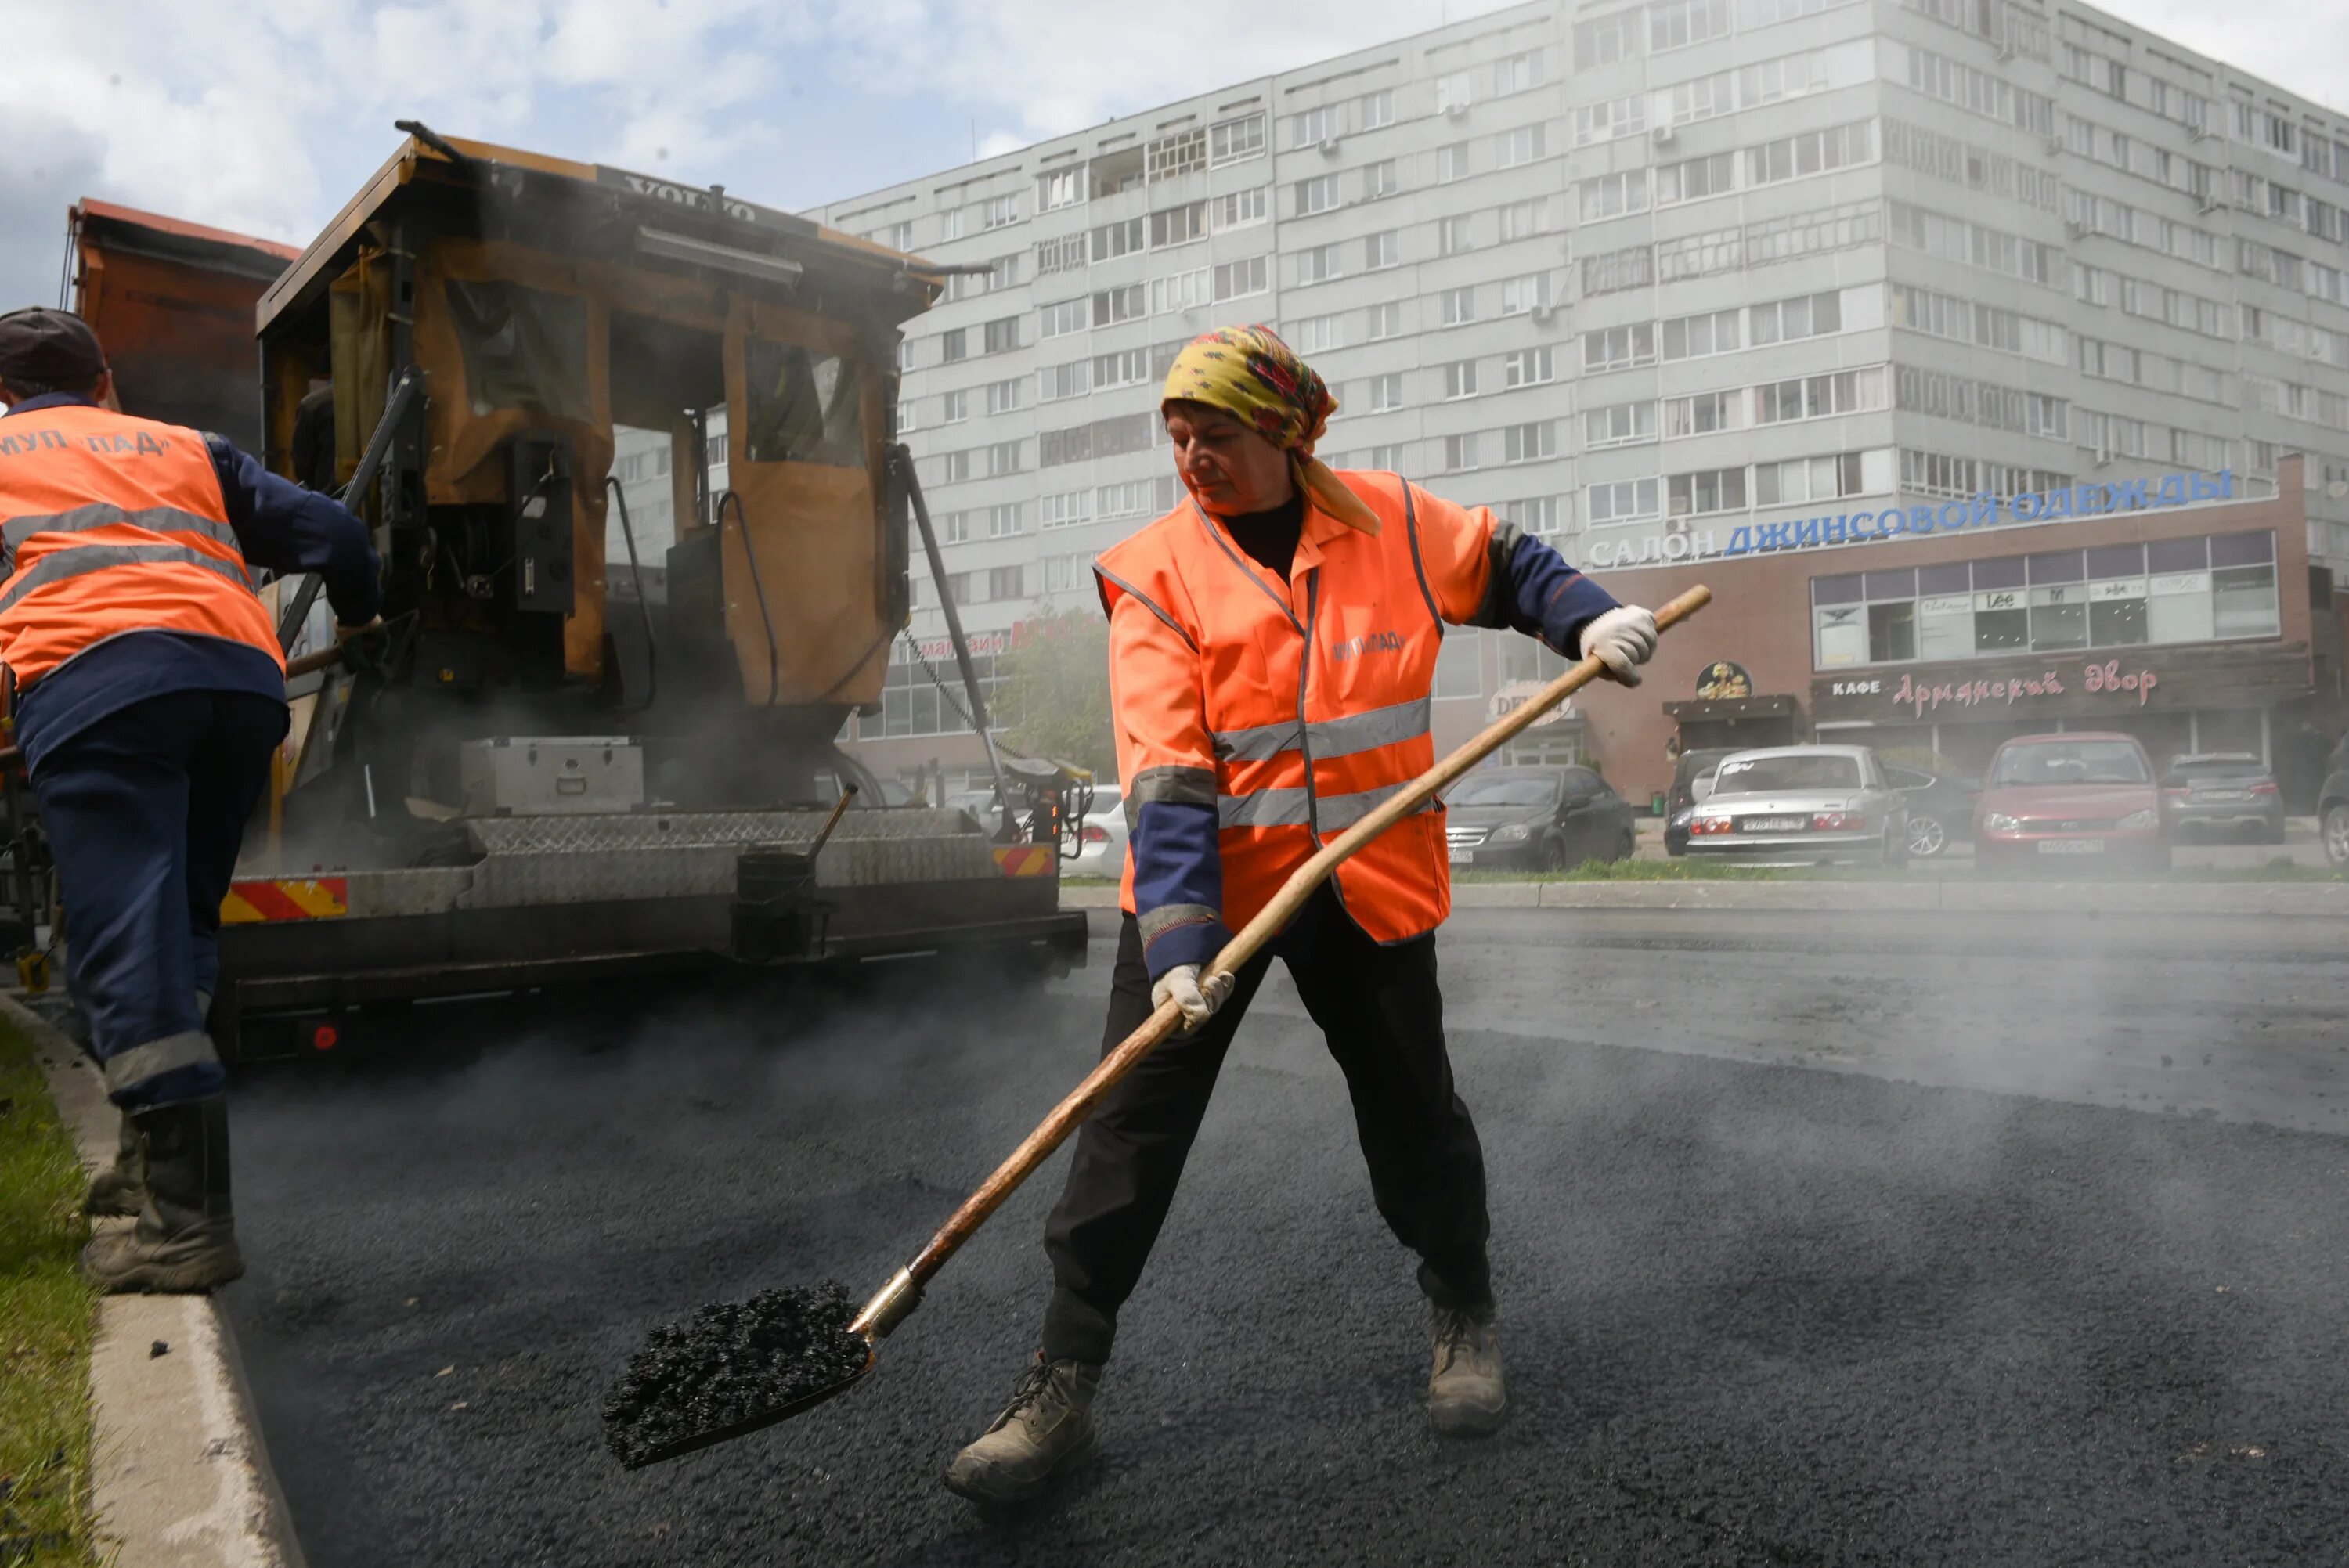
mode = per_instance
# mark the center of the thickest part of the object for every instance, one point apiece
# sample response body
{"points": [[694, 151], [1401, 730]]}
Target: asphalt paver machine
{"points": [[593, 743]]}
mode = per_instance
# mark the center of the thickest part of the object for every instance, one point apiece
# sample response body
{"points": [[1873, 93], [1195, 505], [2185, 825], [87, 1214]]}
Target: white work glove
{"points": [[1197, 1000], [1623, 639]]}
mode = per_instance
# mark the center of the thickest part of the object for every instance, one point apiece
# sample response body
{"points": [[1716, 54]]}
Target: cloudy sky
{"points": [[263, 119]]}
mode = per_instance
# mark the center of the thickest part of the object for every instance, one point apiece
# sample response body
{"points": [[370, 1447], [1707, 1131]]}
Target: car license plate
{"points": [[2224, 795], [1463, 857], [1770, 824], [2071, 846]]}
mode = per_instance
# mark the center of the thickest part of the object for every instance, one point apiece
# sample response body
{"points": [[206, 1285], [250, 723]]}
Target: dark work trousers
{"points": [[145, 811], [1382, 1015]]}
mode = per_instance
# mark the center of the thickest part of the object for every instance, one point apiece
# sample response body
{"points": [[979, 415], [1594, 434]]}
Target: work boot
{"points": [[120, 1190], [185, 1239], [1466, 1394], [1046, 1431]]}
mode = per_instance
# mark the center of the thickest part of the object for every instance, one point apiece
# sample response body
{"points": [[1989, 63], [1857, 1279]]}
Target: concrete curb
{"points": [[181, 1477], [1931, 896]]}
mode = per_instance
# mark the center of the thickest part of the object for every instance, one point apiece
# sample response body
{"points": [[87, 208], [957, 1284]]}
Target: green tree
{"points": [[1053, 689]]}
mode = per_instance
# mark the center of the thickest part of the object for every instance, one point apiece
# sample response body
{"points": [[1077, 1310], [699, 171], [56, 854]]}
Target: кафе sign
{"points": [[2064, 686]]}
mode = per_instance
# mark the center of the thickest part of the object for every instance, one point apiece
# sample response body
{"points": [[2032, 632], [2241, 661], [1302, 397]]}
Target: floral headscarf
{"points": [[1248, 373]]}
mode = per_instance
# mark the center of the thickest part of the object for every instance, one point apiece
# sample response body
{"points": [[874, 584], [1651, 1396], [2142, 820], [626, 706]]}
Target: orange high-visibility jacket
{"points": [[110, 525], [1257, 718]]}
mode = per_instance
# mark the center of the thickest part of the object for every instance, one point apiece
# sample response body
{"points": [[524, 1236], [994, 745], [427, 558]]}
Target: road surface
{"points": [[1904, 1240]]}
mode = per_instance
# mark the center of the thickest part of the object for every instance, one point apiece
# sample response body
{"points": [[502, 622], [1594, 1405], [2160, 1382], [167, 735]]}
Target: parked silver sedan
{"points": [[1802, 805]]}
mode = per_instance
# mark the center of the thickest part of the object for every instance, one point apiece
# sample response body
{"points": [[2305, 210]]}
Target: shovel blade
{"points": [[713, 1435]]}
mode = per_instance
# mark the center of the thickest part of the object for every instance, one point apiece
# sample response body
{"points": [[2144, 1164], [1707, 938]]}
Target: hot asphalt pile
{"points": [[1754, 1313], [727, 1367]]}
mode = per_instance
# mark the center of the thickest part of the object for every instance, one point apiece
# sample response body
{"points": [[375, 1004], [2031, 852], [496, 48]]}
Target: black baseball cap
{"points": [[44, 347]]}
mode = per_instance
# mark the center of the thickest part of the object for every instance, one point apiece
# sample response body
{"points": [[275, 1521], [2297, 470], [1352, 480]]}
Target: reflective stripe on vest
{"points": [[90, 558], [1329, 737], [1288, 808], [86, 519]]}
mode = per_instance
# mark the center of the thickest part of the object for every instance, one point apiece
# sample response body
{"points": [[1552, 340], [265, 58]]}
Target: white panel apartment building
{"points": [[1637, 276]]}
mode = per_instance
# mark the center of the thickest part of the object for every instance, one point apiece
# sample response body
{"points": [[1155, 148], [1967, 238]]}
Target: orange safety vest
{"points": [[110, 524], [1299, 707]]}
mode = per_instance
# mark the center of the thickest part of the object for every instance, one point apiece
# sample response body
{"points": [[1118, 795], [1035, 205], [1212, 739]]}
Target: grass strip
{"points": [[47, 1316]]}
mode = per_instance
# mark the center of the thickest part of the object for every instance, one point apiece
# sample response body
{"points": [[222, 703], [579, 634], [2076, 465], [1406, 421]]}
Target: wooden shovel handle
{"points": [[1071, 1112]]}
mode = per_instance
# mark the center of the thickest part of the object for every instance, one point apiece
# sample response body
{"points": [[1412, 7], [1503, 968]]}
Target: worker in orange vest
{"points": [[1273, 644], [150, 696]]}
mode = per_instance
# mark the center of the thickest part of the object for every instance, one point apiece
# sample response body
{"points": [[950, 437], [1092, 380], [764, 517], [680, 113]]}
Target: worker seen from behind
{"points": [[1273, 647], [150, 698]]}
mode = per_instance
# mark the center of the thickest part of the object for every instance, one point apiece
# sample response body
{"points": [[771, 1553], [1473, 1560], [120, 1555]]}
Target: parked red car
{"points": [[2077, 802]]}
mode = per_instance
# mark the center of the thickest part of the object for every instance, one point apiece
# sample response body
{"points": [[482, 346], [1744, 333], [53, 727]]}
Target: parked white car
{"points": [[1102, 848]]}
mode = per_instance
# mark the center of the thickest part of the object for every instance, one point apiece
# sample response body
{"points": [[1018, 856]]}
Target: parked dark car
{"points": [[1941, 808], [1536, 818], [1679, 801], [2216, 793], [2333, 805], [2073, 800]]}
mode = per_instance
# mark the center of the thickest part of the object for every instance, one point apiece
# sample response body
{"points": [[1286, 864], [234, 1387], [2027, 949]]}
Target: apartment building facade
{"points": [[1666, 282]]}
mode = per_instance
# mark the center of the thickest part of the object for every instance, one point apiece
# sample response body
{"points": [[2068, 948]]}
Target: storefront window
{"points": [[806, 407], [2111, 596]]}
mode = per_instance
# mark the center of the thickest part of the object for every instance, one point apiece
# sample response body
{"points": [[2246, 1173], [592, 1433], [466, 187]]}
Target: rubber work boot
{"points": [[1046, 1431], [1466, 1394], [120, 1190], [185, 1238]]}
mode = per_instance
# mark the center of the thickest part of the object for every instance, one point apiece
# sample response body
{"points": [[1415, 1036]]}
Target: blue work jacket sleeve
{"points": [[1167, 760], [285, 528]]}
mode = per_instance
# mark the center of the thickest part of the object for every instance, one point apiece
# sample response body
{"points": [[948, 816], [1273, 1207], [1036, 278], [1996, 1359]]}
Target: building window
{"points": [[1003, 522], [1240, 210], [1376, 110], [1111, 240], [1800, 480], [1705, 491], [1003, 397], [1171, 156], [1055, 382], [1516, 74], [1060, 188], [953, 345], [954, 528], [1704, 413], [1066, 510], [1000, 212], [1619, 425], [1318, 334], [1006, 583], [1379, 179], [1625, 500], [1236, 141], [1455, 91], [1460, 453], [1818, 396], [1522, 146], [1235, 280], [1620, 347], [1606, 121], [1452, 163], [1002, 335], [1537, 514], [1783, 320], [1613, 195], [1460, 379], [1389, 458], [1523, 219], [1382, 250], [1128, 303], [1676, 23], [1386, 392], [1606, 39], [1457, 307], [1386, 321], [1696, 337], [1178, 225], [1318, 194], [950, 223], [1179, 292], [1452, 236], [1529, 443], [1528, 367], [1002, 458], [1319, 265], [1315, 126], [1520, 295], [1810, 153]]}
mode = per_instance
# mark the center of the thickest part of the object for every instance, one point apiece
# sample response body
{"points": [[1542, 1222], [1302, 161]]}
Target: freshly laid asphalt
{"points": [[1902, 1239]]}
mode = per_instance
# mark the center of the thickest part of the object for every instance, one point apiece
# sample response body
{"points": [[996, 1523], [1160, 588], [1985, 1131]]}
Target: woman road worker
{"points": [[1273, 646]]}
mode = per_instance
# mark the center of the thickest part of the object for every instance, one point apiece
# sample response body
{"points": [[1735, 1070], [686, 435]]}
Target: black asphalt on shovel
{"points": [[732, 1369]]}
